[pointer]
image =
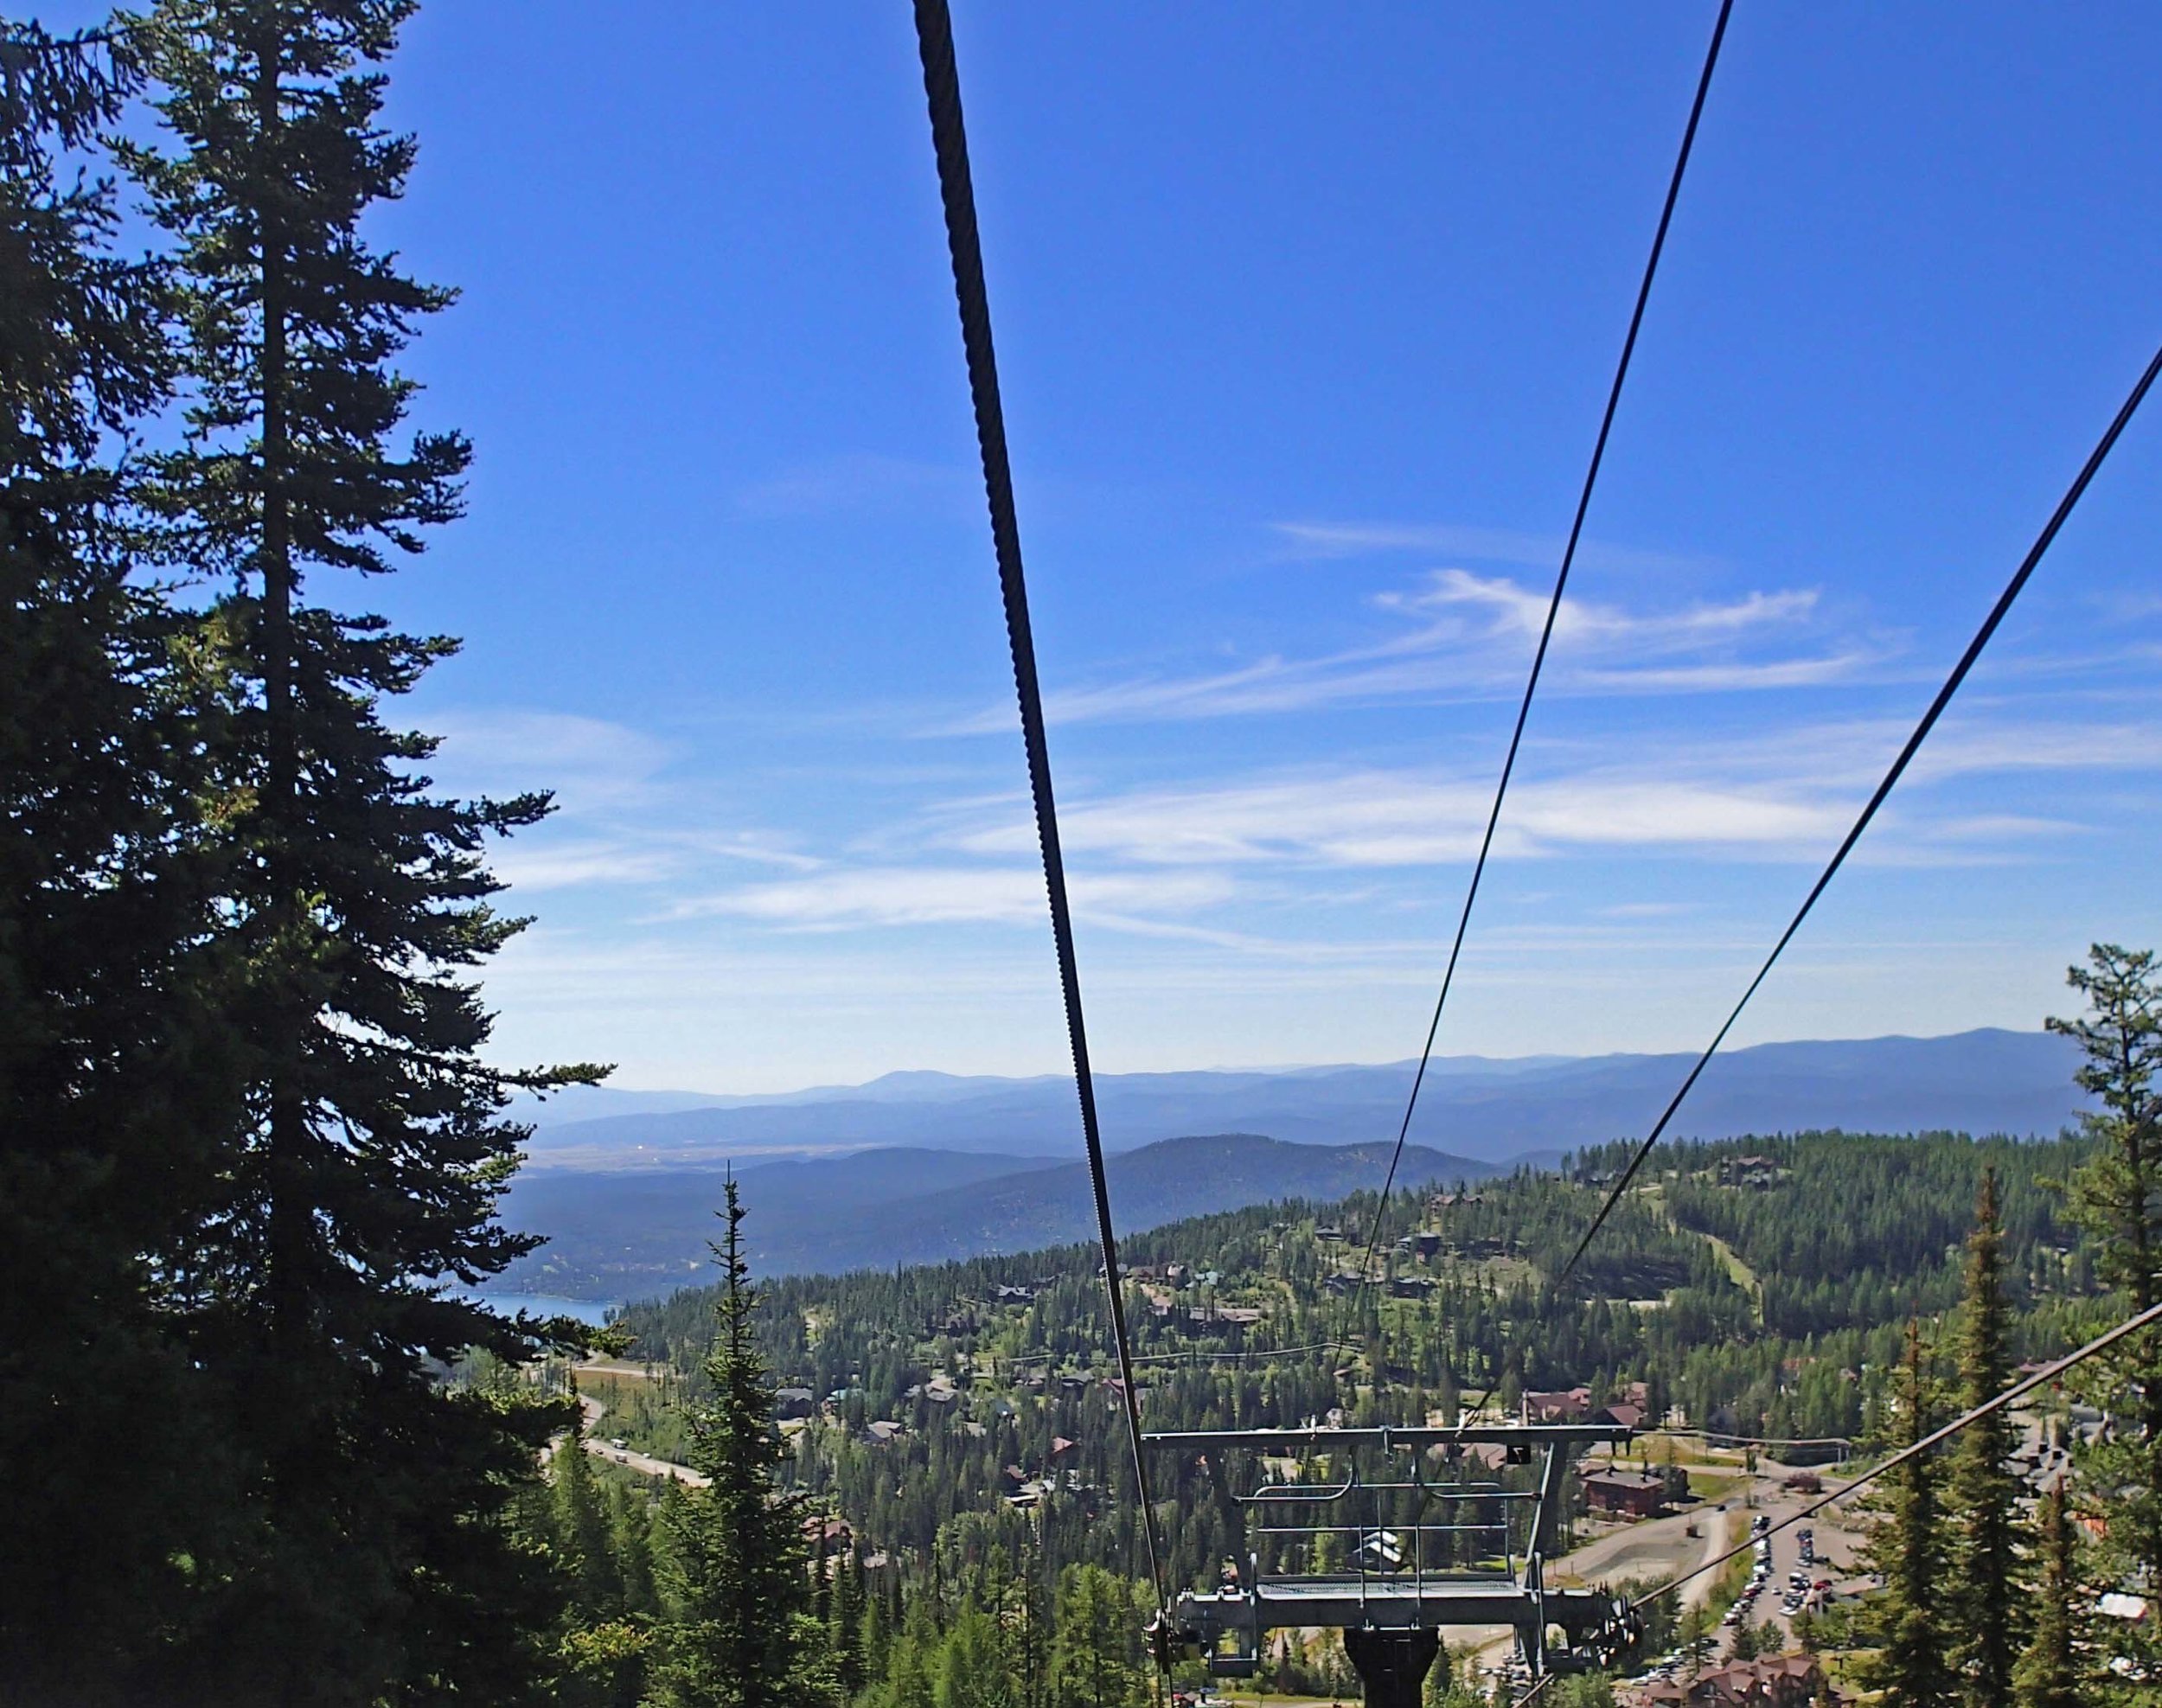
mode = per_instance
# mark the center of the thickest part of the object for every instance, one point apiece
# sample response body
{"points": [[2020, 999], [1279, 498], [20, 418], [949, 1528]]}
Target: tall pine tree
{"points": [[365, 1160], [122, 1493], [1907, 1547], [1982, 1496], [2048, 1675], [740, 1632], [2117, 1200]]}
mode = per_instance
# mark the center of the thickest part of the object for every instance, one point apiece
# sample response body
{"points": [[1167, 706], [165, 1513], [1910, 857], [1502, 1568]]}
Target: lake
{"points": [[548, 1304]]}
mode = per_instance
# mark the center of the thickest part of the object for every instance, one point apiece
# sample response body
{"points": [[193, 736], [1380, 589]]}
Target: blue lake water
{"points": [[547, 1304]]}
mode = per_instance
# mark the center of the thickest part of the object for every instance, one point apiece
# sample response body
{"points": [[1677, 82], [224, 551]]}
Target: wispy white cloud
{"points": [[1462, 636], [531, 869], [1512, 608], [1381, 818], [588, 761], [926, 895], [637, 854], [1325, 539]]}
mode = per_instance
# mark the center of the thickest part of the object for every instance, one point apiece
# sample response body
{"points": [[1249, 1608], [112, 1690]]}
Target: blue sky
{"points": [[1305, 317]]}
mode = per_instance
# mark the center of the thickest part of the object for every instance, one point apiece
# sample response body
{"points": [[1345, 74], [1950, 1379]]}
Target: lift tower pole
{"points": [[1392, 1665]]}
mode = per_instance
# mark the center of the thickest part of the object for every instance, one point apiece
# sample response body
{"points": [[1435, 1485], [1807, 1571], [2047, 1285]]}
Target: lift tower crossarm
{"points": [[1523, 1435]]}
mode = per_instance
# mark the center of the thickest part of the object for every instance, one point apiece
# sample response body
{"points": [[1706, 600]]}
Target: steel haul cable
{"points": [[1997, 612], [1546, 631], [942, 91]]}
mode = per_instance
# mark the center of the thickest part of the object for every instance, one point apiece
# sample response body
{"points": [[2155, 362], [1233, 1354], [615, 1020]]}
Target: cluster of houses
{"points": [[1168, 1312], [1769, 1681], [1024, 1493], [1574, 1405]]}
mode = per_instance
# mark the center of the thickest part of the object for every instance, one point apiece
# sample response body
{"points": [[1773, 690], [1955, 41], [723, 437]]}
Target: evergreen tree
{"points": [[845, 1621], [1982, 1495], [1094, 1662], [1907, 1546], [111, 1072], [1694, 1638], [739, 1634], [631, 1541], [2048, 1674], [364, 1162], [878, 1637], [908, 1682], [973, 1671], [2117, 1200], [582, 1533], [1440, 1680]]}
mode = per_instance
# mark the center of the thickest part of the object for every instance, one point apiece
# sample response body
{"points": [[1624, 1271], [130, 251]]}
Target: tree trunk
{"points": [[285, 1167]]}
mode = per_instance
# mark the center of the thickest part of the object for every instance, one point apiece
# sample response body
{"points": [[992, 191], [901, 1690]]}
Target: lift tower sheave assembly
{"points": [[1408, 1553]]}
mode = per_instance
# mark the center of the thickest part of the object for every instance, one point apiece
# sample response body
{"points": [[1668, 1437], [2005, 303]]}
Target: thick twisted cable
{"points": [[942, 90]]}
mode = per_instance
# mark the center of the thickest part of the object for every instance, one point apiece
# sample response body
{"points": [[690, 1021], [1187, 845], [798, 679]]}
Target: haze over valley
{"points": [[917, 1167]]}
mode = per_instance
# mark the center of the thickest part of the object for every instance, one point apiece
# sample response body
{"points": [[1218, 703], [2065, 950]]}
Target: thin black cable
{"points": [[942, 91], [2026, 1384], [1546, 631], [2003, 604]]}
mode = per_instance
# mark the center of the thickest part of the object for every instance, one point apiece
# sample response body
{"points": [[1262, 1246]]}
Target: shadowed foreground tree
{"points": [[363, 1165], [110, 1070]]}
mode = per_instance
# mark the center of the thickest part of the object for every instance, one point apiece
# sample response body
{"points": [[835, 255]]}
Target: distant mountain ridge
{"points": [[1493, 1110], [630, 1231]]}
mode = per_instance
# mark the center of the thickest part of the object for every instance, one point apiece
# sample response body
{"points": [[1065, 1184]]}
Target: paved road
{"points": [[645, 1464], [1658, 1548]]}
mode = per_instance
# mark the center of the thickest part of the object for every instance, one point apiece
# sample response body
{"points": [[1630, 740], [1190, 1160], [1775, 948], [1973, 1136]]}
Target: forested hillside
{"points": [[619, 1233], [1792, 1331]]}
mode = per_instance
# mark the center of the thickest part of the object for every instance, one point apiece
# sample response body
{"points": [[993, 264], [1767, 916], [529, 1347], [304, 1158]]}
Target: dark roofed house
{"points": [[1410, 1287], [793, 1402], [1756, 1173], [827, 1535], [1769, 1681], [1633, 1493], [1627, 1415], [1560, 1405]]}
